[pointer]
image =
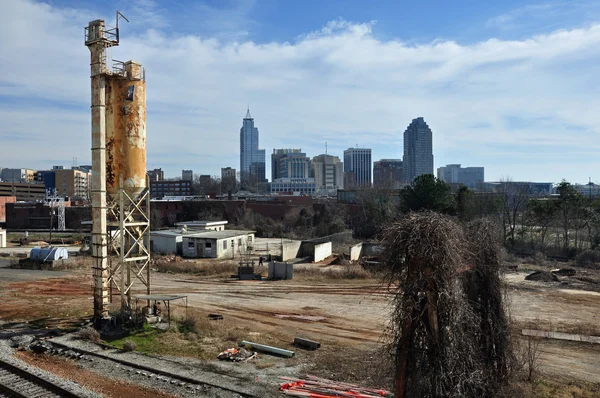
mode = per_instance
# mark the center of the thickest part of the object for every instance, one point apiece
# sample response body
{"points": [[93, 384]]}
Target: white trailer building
{"points": [[216, 244]]}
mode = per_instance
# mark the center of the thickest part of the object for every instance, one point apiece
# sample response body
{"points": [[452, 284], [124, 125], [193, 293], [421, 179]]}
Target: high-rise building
{"points": [[252, 159], [289, 163], [328, 172], [388, 173], [358, 161], [455, 174], [187, 175], [418, 150]]}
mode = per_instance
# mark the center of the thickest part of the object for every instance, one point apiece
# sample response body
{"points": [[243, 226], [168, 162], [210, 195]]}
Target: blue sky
{"points": [[509, 85]]}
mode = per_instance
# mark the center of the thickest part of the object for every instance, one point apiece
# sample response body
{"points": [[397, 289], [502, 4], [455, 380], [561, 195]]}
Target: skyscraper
{"points": [[418, 150], [252, 159], [358, 161]]}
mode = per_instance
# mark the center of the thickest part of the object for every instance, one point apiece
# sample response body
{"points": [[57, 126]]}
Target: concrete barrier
{"points": [[355, 252], [290, 250], [322, 251], [2, 238]]}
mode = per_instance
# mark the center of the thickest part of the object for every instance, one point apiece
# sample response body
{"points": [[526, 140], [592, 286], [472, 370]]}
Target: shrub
{"points": [[129, 345], [90, 334], [189, 324], [589, 258]]}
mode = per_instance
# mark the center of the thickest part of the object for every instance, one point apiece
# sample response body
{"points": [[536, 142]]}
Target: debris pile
{"points": [[542, 276], [323, 388], [236, 355], [564, 272]]}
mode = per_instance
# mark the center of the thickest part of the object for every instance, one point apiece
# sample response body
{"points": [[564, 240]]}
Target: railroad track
{"points": [[192, 385], [19, 383]]}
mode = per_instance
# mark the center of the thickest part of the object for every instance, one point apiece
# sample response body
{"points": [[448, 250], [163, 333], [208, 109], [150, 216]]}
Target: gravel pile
{"points": [[542, 276]]}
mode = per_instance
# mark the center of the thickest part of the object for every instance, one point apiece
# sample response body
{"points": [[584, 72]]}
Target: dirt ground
{"points": [[338, 313]]}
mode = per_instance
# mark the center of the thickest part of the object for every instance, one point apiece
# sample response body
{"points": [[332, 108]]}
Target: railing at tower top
{"points": [[99, 32], [118, 69]]}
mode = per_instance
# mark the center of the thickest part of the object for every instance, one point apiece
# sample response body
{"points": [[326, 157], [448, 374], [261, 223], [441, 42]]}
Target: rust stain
{"points": [[126, 132]]}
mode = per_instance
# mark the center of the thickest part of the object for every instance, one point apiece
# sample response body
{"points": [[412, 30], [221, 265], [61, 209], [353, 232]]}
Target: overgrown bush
{"points": [[589, 258], [188, 324], [89, 334], [202, 267], [345, 272], [129, 346]]}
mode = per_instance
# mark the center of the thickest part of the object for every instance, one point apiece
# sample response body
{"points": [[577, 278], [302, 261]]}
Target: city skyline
{"points": [[509, 93]]}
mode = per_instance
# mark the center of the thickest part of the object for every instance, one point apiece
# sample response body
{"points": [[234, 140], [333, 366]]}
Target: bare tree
{"points": [[515, 196]]}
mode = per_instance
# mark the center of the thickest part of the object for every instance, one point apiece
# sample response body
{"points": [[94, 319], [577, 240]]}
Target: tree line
{"points": [[560, 224]]}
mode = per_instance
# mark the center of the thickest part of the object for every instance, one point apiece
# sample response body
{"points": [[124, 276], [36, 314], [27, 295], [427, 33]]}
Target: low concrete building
{"points": [[216, 244], [165, 242]]}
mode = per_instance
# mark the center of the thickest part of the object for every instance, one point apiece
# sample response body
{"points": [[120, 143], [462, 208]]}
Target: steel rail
{"points": [[175, 376], [21, 377]]}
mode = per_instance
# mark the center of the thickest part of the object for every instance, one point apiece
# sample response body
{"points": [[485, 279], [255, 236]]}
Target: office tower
{"points": [[289, 163], [388, 173], [418, 150], [328, 172], [358, 161], [252, 159]]}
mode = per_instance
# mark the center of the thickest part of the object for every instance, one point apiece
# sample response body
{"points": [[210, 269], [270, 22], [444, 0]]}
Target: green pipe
{"points": [[269, 349]]}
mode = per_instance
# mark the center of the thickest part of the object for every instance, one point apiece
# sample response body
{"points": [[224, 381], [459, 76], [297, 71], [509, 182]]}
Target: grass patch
{"points": [[551, 386], [353, 271], [197, 337], [197, 267]]}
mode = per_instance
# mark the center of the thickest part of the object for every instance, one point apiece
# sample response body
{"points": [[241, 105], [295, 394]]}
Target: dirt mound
{"points": [[542, 276]]}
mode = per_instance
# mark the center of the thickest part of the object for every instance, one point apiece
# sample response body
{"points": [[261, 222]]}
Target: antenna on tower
{"points": [[325, 147]]}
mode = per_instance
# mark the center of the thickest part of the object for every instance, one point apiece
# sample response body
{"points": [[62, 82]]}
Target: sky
{"points": [[509, 85]]}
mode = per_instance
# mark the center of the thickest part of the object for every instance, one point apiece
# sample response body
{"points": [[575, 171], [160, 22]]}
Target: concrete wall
{"points": [[355, 252], [370, 249], [322, 251], [290, 250], [165, 244], [2, 238]]}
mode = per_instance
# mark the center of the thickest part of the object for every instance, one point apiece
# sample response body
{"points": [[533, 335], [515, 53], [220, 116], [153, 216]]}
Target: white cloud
{"points": [[341, 85]]}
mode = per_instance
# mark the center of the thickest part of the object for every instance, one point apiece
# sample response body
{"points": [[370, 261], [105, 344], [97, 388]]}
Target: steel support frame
{"points": [[129, 236]]}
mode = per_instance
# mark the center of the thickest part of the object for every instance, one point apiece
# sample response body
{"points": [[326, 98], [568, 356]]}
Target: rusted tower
{"points": [[121, 221]]}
